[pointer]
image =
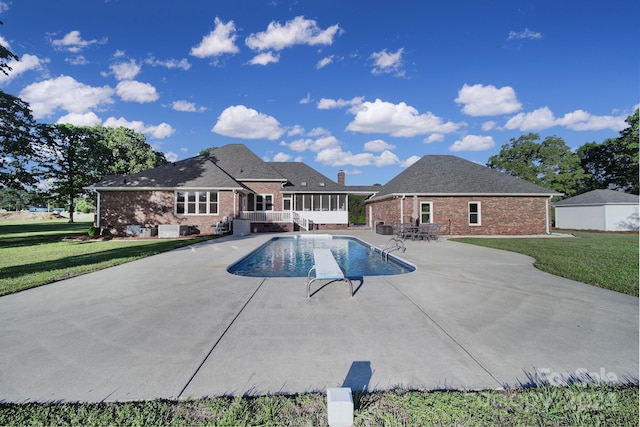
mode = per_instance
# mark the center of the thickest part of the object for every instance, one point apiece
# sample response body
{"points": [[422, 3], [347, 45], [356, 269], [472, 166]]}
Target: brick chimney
{"points": [[341, 177]]}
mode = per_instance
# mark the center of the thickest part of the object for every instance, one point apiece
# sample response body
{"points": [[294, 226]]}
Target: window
{"points": [[264, 202], [197, 202], [425, 212], [286, 202], [474, 213]]}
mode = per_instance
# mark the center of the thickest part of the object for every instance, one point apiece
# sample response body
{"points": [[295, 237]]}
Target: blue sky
{"points": [[363, 86]]}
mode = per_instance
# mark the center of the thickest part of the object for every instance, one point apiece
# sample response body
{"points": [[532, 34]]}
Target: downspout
{"points": [[546, 216], [235, 204], [402, 208], [98, 211]]}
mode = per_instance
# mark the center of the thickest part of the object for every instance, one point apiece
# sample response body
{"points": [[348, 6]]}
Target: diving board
{"points": [[326, 268]]}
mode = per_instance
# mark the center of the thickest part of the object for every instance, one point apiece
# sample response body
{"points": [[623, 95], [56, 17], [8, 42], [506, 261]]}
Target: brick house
{"points": [[229, 182], [464, 197]]}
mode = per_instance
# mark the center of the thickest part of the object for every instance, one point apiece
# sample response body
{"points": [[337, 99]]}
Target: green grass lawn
{"points": [[607, 260], [544, 406], [34, 253]]}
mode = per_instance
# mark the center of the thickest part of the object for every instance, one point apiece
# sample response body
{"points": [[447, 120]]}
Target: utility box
{"points": [[133, 230], [171, 231], [339, 407], [148, 232], [241, 227]]}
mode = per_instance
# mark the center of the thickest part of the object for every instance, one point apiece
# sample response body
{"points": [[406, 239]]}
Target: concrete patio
{"points": [[177, 325]]}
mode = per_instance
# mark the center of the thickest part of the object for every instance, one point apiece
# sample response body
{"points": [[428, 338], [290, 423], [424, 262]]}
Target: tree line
{"points": [[550, 163], [54, 162]]}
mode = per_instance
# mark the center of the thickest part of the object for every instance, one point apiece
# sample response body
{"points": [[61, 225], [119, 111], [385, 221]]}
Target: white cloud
{"points": [[163, 130], [306, 99], [77, 60], [487, 126], [397, 120], [526, 34], [5, 43], [328, 103], [133, 91], [298, 31], [337, 157], [73, 42], [3, 6], [480, 100], [218, 42], [66, 93], [322, 143], [168, 63], [296, 130], [411, 160], [171, 156], [580, 120], [241, 122], [473, 143], [190, 107], [282, 157], [80, 119], [26, 63], [539, 119], [386, 158], [319, 131], [387, 63], [378, 145], [264, 58], [434, 137], [125, 70], [324, 62]]}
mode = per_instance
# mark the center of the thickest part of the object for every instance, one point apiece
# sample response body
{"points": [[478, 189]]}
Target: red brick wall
{"points": [[150, 208], [499, 215], [266, 188]]}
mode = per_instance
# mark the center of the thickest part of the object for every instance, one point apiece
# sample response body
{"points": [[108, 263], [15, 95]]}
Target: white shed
{"points": [[605, 210]]}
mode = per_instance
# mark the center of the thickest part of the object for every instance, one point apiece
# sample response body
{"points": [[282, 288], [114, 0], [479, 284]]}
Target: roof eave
{"points": [[395, 195]]}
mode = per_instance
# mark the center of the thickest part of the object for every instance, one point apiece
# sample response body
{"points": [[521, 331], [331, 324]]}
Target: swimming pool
{"points": [[292, 256]]}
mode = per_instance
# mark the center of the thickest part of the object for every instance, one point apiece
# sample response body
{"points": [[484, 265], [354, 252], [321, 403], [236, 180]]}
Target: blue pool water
{"points": [[292, 256]]}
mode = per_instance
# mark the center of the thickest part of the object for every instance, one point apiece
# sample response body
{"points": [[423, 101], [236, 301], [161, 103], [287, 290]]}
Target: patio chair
{"points": [[434, 232]]}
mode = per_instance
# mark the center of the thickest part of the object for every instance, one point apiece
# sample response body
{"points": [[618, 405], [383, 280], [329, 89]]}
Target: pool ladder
{"points": [[394, 244]]}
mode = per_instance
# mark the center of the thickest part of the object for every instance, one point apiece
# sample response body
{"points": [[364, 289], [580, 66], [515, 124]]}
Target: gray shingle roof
{"points": [[298, 173], [451, 175], [242, 164], [599, 197], [194, 172]]}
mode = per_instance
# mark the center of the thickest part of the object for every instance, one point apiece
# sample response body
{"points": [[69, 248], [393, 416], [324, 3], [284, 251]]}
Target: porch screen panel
{"points": [[333, 202], [324, 200]]}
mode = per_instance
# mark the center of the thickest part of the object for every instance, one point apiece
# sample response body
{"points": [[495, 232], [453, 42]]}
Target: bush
{"points": [[93, 231]]}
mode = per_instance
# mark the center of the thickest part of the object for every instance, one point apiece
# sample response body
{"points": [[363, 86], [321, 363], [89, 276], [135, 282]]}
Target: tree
{"points": [[71, 158], [16, 138], [614, 163], [550, 164], [16, 133], [130, 153], [5, 56]]}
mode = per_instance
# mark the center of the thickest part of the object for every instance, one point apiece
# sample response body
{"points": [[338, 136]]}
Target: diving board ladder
{"points": [[326, 268]]}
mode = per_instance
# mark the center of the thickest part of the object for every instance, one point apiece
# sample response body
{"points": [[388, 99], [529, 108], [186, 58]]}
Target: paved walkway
{"points": [[177, 325]]}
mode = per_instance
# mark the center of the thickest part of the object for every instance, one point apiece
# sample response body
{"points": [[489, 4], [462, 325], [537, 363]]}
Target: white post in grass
{"points": [[339, 407]]}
